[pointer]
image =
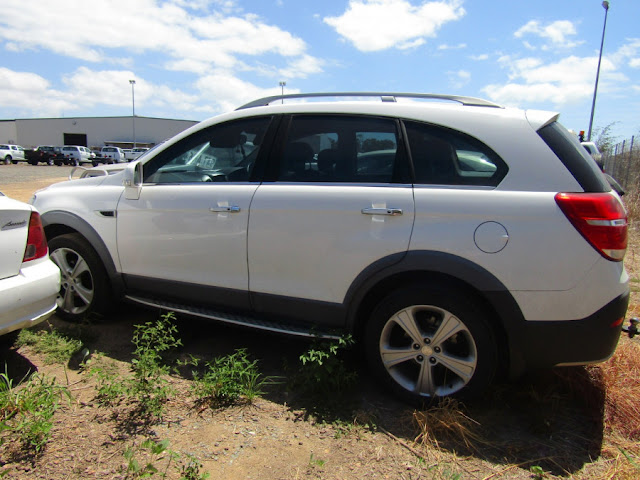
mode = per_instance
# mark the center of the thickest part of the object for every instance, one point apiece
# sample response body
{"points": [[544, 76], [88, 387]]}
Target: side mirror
{"points": [[132, 181]]}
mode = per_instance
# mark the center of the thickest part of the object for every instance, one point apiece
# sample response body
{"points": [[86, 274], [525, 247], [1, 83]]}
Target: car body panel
{"points": [[28, 290]]}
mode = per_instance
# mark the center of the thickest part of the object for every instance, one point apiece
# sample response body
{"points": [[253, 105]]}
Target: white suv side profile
{"points": [[456, 240]]}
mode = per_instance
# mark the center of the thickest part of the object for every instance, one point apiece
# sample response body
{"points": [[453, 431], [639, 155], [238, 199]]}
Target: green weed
{"points": [[227, 380], [323, 370], [54, 345], [26, 410], [154, 343], [146, 460]]}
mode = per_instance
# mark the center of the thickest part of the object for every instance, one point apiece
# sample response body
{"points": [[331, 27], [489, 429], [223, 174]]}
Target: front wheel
{"points": [[84, 286], [428, 341], [7, 160]]}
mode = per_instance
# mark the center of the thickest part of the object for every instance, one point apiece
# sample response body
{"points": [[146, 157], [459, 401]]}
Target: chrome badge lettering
{"points": [[11, 225]]}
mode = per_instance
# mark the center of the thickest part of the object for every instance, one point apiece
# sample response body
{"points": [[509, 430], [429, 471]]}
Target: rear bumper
{"points": [[545, 344], [30, 297]]}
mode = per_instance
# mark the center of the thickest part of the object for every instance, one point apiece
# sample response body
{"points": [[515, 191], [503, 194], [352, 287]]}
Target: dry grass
{"points": [[448, 424], [603, 444]]}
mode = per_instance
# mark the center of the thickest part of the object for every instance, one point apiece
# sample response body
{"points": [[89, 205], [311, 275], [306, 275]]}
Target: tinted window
{"points": [[340, 149], [446, 157], [224, 152], [574, 157]]}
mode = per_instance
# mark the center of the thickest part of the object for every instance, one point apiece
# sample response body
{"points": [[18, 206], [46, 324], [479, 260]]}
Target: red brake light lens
{"points": [[601, 220], [36, 240]]}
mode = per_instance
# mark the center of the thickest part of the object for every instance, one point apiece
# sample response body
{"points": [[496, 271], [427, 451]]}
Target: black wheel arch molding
{"points": [[58, 222], [389, 273]]}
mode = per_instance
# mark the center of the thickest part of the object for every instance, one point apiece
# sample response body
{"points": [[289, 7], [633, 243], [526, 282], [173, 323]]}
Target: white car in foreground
{"points": [[29, 280]]}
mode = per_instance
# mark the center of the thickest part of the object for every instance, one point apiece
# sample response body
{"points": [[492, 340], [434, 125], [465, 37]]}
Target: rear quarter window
{"points": [[574, 157], [443, 156]]}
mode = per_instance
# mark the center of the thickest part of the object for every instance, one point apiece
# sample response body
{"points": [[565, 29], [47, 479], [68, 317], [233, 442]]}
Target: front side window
{"points": [[223, 152], [446, 157], [340, 149]]}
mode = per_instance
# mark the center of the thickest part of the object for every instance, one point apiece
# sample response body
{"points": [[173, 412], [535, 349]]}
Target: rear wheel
{"points": [[84, 286], [429, 341]]}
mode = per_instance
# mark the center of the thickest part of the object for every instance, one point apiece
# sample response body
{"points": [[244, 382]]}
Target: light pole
{"points": [[133, 116], [282, 85], [605, 4]]}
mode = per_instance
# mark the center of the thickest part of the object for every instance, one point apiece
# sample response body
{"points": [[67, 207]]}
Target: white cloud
{"points": [[458, 79], [459, 46], [566, 81], [373, 25], [556, 34], [230, 92], [102, 31], [482, 56]]}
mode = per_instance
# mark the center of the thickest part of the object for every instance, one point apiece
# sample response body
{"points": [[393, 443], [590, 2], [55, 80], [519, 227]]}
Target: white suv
{"points": [[454, 241], [11, 153]]}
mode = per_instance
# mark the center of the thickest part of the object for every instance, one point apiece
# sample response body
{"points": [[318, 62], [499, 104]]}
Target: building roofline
{"points": [[101, 117]]}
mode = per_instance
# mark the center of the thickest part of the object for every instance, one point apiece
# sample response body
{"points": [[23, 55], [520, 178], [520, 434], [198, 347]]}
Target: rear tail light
{"points": [[601, 220], [36, 240]]}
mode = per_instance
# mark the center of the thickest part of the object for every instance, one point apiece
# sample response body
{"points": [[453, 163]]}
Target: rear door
{"points": [[337, 201]]}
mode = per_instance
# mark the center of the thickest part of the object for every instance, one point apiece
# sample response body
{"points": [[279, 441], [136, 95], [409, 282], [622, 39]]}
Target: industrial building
{"points": [[92, 132]]}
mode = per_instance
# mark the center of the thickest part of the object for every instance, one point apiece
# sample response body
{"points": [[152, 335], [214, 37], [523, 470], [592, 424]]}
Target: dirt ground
{"points": [[537, 421]]}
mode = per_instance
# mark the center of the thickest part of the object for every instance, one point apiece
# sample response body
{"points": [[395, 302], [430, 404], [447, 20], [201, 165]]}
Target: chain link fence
{"points": [[623, 163]]}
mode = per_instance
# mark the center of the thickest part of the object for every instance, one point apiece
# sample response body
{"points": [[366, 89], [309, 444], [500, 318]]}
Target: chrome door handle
{"points": [[233, 209], [382, 211]]}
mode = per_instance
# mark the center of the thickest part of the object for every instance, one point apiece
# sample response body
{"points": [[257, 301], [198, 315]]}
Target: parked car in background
{"points": [[49, 154], [29, 280], [11, 154], [134, 153], [113, 155], [77, 155], [455, 240], [592, 148]]}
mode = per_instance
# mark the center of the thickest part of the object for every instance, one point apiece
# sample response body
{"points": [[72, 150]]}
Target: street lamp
{"points": [[133, 116], [282, 85], [605, 4]]}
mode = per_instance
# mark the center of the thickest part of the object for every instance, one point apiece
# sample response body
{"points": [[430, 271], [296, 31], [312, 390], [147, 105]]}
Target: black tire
{"points": [[76, 162], [95, 164], [50, 161], [15, 162], [7, 160], [84, 288], [446, 348]]}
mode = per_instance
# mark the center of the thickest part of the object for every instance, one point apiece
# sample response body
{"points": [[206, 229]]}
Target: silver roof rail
{"points": [[384, 96]]}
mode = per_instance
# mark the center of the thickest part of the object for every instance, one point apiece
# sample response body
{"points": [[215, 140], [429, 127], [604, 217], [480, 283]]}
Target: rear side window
{"points": [[445, 157], [343, 149], [574, 157]]}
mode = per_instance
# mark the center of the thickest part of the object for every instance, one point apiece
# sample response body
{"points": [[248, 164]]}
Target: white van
{"points": [[77, 154], [113, 155]]}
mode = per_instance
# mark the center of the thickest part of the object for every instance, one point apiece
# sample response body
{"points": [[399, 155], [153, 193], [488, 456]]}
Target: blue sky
{"points": [[193, 59]]}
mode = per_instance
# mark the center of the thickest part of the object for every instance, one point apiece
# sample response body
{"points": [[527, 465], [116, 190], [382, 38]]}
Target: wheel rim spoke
{"points": [[85, 294], [449, 327], [463, 368], [407, 322], [394, 356], [425, 383], [60, 260]]}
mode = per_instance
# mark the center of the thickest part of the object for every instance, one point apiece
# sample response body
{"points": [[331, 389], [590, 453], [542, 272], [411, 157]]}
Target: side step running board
{"points": [[235, 319]]}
